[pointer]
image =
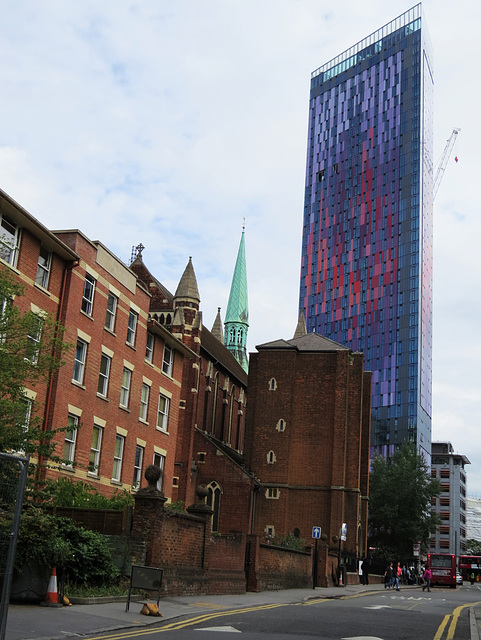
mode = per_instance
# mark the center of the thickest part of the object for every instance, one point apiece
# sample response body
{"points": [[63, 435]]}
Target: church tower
{"points": [[237, 315]]}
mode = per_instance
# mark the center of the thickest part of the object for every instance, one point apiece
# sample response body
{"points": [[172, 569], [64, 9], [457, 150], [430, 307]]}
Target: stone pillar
{"points": [[148, 517], [202, 510]]}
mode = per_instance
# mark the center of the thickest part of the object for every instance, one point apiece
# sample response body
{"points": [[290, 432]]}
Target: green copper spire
{"points": [[237, 315]]}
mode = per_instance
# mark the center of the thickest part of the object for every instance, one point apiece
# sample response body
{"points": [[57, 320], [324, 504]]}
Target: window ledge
{"points": [[102, 397], [112, 333], [143, 421], [118, 483], [78, 384], [87, 315], [42, 289], [10, 266], [126, 409], [132, 346]]}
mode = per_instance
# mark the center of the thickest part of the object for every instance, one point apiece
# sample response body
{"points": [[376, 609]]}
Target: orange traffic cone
{"points": [[51, 599], [340, 579]]}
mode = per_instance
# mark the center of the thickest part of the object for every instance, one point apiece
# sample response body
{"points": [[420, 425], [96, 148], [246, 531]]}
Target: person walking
{"points": [[427, 577], [398, 576], [388, 576]]}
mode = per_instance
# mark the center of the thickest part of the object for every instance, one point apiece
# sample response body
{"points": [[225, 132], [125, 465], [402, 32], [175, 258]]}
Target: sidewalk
{"points": [[28, 622]]}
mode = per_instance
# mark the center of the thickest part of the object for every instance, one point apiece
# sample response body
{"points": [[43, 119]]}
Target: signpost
{"points": [[316, 534], [342, 536]]}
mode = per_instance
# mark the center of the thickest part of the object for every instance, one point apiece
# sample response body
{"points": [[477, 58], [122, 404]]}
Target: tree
{"points": [[473, 547], [400, 495], [30, 352]]}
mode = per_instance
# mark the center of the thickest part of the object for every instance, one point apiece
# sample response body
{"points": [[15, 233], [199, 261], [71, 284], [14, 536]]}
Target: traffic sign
{"points": [[316, 532]]}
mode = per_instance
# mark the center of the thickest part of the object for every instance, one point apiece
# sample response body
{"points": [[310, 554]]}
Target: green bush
{"points": [[64, 492], [288, 541], [47, 541], [175, 507]]}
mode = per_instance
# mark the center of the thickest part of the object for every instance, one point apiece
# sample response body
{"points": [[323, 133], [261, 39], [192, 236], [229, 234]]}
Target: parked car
{"points": [[459, 578]]}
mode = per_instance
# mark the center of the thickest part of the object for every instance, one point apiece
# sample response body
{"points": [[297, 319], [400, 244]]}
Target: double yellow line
{"points": [[452, 627], [181, 624]]}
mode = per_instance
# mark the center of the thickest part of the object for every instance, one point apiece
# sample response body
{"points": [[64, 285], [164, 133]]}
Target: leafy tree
{"points": [[473, 547], [30, 353], [400, 495], [65, 492]]}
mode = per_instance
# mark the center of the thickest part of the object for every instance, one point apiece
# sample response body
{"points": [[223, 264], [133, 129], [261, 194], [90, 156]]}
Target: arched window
{"points": [[272, 384], [271, 457], [214, 402], [213, 500], [240, 336], [281, 425]]}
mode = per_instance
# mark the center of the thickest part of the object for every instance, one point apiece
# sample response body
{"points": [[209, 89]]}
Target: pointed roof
{"points": [[301, 327], [217, 330], [312, 342], [237, 307], [187, 288]]}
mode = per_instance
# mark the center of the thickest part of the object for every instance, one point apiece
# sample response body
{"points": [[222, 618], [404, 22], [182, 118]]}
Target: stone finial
{"points": [[152, 474], [201, 492], [201, 508]]}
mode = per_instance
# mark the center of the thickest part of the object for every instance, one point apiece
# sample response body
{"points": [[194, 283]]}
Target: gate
{"points": [[13, 476]]}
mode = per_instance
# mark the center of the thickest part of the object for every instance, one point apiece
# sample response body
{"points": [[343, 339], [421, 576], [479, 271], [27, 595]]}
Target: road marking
{"points": [[454, 621], [208, 605], [228, 629], [362, 638], [379, 606]]}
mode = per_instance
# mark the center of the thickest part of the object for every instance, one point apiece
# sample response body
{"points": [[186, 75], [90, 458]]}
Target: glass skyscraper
{"points": [[366, 272]]}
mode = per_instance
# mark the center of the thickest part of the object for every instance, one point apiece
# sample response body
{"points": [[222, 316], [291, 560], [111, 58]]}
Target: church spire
{"points": [[301, 327], [187, 292], [217, 331], [237, 314]]}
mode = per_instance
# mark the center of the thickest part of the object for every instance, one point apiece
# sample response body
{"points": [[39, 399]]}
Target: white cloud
{"points": [[168, 123]]}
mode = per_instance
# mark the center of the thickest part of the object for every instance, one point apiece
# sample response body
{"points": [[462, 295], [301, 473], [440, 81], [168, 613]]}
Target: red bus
{"points": [[443, 568], [468, 565]]}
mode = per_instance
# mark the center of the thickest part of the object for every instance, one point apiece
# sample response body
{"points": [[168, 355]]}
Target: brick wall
{"points": [[283, 569]]}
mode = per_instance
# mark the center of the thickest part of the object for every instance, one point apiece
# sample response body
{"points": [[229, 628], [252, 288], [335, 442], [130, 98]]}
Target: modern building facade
{"points": [[449, 468], [366, 271]]}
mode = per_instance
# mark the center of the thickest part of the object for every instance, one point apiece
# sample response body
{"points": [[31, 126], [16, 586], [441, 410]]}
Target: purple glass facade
{"points": [[366, 272]]}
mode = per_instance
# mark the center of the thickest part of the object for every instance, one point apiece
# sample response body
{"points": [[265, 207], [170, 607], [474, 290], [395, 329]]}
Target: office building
{"points": [[366, 272], [449, 468]]}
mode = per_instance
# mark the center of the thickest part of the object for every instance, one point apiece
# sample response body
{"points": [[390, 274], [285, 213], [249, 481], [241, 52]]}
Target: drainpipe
{"points": [[48, 401]]}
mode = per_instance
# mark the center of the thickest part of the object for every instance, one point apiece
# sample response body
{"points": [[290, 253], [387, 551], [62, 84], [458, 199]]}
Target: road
{"points": [[442, 614]]}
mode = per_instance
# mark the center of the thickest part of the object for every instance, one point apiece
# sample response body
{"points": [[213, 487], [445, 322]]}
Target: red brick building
{"points": [[307, 440], [118, 393], [210, 438], [145, 382]]}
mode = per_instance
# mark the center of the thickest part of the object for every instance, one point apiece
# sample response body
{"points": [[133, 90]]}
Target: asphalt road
{"points": [[442, 614]]}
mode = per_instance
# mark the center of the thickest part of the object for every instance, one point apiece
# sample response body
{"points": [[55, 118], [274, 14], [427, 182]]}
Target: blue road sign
{"points": [[316, 532]]}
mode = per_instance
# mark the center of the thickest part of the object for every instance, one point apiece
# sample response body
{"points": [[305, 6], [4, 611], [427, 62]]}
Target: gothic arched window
{"points": [[213, 500]]}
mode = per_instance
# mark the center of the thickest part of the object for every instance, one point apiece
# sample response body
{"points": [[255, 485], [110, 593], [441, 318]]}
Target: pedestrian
{"points": [[471, 578], [388, 576], [365, 571], [361, 573], [398, 576], [427, 576]]}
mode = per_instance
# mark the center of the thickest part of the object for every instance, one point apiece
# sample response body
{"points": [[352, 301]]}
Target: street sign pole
{"points": [[316, 534]]}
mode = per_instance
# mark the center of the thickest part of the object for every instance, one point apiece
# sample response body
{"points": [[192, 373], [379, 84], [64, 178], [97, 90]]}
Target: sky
{"points": [[170, 123]]}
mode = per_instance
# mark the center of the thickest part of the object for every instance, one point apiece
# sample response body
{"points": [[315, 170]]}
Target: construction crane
{"points": [[444, 160]]}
